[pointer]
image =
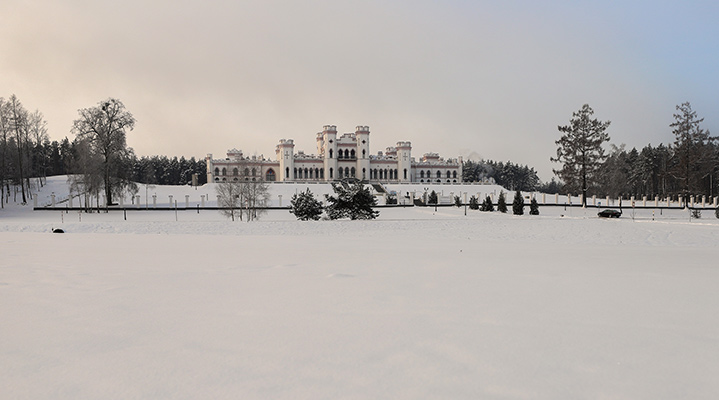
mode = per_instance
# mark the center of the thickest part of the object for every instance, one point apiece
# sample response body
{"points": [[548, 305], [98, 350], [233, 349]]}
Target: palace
{"points": [[338, 156]]}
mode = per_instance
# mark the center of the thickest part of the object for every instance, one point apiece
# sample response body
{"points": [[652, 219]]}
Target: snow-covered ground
{"points": [[417, 304]]}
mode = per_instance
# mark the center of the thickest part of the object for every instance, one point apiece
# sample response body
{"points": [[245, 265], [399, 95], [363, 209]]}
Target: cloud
{"points": [[456, 77]]}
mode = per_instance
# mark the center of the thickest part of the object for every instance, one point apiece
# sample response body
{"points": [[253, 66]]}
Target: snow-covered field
{"points": [[418, 304]]}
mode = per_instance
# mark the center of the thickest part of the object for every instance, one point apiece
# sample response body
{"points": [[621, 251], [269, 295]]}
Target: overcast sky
{"points": [[489, 79]]}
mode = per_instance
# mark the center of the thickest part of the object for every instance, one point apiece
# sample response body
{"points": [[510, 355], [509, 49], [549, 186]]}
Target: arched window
{"points": [[429, 175], [224, 171], [235, 179], [322, 173], [217, 171], [217, 179], [454, 174], [395, 174], [439, 174], [364, 175], [330, 153], [224, 179], [306, 175], [294, 175], [247, 171], [339, 154], [364, 153], [347, 153], [254, 173], [331, 177], [311, 173], [235, 171], [287, 172], [270, 175], [449, 175], [405, 173], [352, 153], [347, 170], [421, 174], [352, 172]]}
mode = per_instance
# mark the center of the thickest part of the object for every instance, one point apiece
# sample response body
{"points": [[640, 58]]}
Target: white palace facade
{"points": [[338, 156]]}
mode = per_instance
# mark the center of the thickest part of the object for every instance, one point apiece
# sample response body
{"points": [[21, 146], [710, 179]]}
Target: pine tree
{"points": [[518, 204], [473, 203], [501, 203], [580, 150], [432, 198], [457, 201], [533, 207], [305, 207], [692, 150], [487, 204], [353, 202]]}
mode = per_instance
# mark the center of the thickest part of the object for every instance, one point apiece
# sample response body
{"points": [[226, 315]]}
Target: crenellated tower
{"points": [[404, 161], [329, 151], [285, 152], [362, 135]]}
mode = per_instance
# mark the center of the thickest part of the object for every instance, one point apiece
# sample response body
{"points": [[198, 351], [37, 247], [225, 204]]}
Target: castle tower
{"points": [[329, 151], [208, 163], [362, 135], [404, 161], [285, 151]]}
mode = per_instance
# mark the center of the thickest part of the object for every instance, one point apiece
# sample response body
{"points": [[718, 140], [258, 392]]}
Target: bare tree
{"points": [[18, 124], [238, 197], [229, 199], [256, 195], [104, 128], [87, 182], [4, 136], [37, 129]]}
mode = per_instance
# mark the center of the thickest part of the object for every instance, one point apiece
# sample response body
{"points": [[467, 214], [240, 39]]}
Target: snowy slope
{"points": [[418, 304]]}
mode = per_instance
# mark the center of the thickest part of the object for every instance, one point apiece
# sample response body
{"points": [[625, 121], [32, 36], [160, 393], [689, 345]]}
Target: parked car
{"points": [[609, 213]]}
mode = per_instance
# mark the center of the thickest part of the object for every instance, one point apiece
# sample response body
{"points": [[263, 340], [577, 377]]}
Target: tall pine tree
{"points": [[580, 150]]}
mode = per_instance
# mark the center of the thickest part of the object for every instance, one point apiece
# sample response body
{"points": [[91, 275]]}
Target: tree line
{"points": [[97, 155], [688, 166], [509, 175]]}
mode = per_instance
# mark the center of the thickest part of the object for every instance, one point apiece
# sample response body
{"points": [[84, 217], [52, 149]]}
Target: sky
{"points": [[477, 79]]}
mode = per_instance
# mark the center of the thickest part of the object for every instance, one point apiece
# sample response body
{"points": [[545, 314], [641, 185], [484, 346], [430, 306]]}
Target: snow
{"points": [[417, 304]]}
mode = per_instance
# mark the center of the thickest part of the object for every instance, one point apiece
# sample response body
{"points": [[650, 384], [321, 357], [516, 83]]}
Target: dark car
{"points": [[608, 213]]}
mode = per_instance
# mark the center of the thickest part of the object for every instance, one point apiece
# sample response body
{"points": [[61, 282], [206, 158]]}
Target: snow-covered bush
{"points": [[353, 201], [305, 207]]}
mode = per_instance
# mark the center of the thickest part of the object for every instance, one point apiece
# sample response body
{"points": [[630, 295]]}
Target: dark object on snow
{"points": [[58, 230], [608, 213]]}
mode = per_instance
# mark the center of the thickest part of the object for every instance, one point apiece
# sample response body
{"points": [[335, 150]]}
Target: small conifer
{"points": [[501, 203], [487, 204], [473, 203], [518, 204], [533, 207]]}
